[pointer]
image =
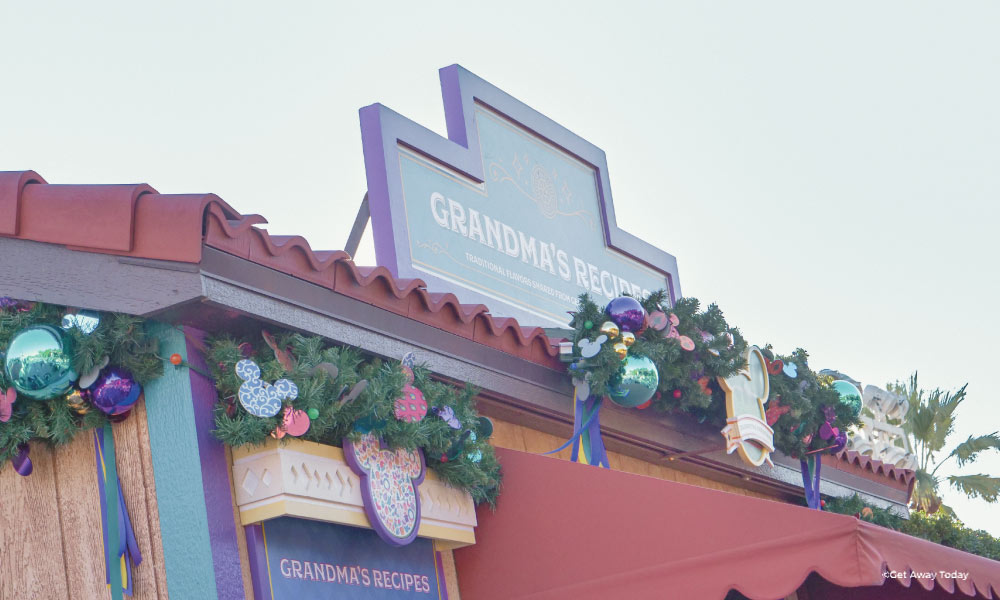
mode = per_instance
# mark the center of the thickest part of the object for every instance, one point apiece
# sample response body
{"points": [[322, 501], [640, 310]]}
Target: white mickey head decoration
{"points": [[588, 348]]}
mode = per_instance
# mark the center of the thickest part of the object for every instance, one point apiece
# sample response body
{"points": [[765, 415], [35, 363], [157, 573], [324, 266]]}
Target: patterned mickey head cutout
{"points": [[589, 349], [259, 398], [389, 482]]}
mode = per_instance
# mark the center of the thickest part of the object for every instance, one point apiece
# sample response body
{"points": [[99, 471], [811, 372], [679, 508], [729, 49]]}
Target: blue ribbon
{"points": [[810, 480], [587, 433], [120, 546]]}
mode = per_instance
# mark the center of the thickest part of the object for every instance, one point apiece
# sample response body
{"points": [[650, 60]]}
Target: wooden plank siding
{"points": [[518, 437], [51, 541]]}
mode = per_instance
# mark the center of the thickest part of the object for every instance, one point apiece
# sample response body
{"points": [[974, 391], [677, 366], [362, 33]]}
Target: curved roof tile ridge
{"points": [[876, 466]]}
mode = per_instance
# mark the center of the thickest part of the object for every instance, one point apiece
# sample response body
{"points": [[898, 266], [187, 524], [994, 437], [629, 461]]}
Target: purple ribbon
{"points": [[128, 547], [22, 464], [810, 480]]}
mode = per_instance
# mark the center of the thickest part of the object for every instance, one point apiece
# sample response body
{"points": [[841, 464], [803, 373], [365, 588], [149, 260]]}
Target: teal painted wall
{"points": [[180, 497]]}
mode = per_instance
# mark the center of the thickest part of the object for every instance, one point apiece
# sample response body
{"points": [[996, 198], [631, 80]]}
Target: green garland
{"points": [[719, 351], [335, 420], [940, 528], [122, 338]]}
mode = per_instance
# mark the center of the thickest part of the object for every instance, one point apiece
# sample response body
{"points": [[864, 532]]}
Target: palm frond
{"points": [[977, 486], [968, 450], [925, 492]]}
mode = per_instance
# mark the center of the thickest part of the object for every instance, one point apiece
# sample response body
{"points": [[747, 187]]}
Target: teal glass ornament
{"points": [[39, 363], [850, 395], [637, 385]]}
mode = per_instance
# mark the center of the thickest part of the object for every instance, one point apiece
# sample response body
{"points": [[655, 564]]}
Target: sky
{"points": [[828, 174]]}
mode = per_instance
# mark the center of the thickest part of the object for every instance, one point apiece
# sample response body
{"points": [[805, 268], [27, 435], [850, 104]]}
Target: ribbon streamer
{"points": [[810, 480], [586, 430], [120, 546], [22, 464]]}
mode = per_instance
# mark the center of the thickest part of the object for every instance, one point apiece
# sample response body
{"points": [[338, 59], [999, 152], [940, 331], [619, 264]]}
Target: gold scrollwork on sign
{"points": [[540, 186]]}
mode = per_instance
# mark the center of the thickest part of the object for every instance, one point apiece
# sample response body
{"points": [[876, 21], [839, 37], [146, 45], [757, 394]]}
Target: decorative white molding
{"points": [[312, 481], [877, 437]]}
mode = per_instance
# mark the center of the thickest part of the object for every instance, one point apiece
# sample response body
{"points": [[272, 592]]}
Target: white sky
{"points": [[827, 174]]}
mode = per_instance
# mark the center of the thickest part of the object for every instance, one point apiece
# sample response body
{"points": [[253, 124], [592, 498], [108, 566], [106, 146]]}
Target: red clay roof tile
{"points": [[135, 220]]}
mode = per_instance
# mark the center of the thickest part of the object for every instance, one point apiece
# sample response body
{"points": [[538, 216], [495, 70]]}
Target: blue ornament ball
{"points": [[850, 395], [637, 385], [627, 314], [114, 392], [39, 363]]}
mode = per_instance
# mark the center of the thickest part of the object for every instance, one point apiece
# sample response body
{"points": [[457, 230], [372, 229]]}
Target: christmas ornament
{"points": [[775, 410], [627, 313], [850, 396], [114, 392], [39, 363], [677, 394], [7, 399], [657, 320], [621, 349], [283, 356], [389, 481], [410, 407], [637, 385], [686, 343], [476, 455], [85, 320], [645, 405], [791, 370], [87, 379], [329, 368], [313, 413], [588, 324], [293, 423], [176, 359], [628, 338], [609, 329], [77, 402], [259, 398], [447, 414], [354, 393], [774, 366], [590, 349]]}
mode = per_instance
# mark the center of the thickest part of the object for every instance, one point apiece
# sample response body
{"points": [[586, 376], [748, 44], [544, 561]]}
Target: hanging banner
{"points": [[512, 210], [309, 559]]}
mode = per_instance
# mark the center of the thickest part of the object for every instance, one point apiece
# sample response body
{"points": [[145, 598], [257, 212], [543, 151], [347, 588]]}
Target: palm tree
{"points": [[931, 419]]}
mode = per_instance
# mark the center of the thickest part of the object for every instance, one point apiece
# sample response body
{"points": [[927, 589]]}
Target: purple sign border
{"points": [[351, 457], [382, 130]]}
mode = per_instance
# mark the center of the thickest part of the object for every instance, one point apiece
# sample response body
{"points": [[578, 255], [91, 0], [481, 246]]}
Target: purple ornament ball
{"points": [[114, 392], [627, 314]]}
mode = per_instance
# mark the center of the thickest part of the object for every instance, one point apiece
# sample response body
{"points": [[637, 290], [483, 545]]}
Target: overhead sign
{"points": [[310, 559], [746, 424], [512, 210]]}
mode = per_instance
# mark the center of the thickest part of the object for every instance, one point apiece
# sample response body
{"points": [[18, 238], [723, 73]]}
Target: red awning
{"points": [[564, 530]]}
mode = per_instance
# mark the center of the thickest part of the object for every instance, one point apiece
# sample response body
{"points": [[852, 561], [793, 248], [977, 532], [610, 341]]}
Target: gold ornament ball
{"points": [[609, 329], [628, 338], [77, 403], [621, 350]]}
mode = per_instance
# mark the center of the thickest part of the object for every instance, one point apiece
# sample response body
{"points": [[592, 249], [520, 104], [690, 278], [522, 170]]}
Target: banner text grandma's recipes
{"points": [[354, 575]]}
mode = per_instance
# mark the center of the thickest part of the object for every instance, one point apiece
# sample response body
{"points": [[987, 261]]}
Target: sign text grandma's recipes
{"points": [[311, 559]]}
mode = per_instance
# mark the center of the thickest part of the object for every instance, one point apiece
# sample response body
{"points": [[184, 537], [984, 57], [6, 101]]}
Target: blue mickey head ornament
{"points": [[259, 398]]}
